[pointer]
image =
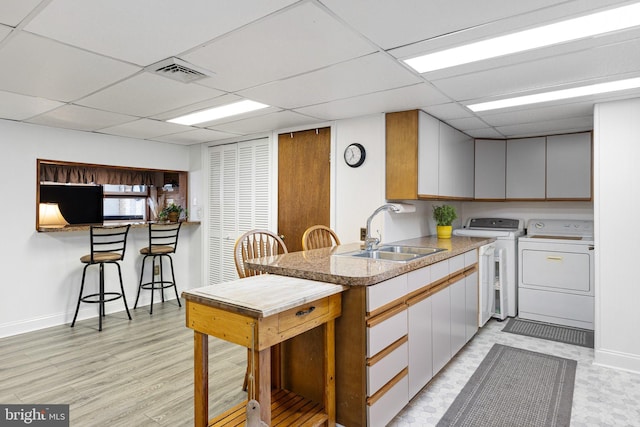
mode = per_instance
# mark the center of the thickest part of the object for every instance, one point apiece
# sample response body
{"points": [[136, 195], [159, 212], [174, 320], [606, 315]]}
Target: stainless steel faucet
{"points": [[371, 242]]}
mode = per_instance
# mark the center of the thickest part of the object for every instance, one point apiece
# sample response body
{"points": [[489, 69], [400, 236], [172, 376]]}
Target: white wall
{"points": [[42, 271], [617, 198]]}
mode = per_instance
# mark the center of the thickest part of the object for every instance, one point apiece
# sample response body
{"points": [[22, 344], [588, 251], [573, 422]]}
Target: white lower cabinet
{"points": [[382, 410], [413, 331], [420, 353], [440, 328], [458, 299], [472, 307]]}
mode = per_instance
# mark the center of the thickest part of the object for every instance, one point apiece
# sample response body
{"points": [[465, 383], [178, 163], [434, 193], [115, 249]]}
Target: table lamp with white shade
{"points": [[50, 216]]}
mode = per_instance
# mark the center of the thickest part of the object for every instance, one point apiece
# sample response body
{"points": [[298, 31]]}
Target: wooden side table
{"points": [[259, 312]]}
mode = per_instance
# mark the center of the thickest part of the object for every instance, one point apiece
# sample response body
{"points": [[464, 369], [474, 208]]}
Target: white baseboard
{"points": [[617, 360], [87, 311]]}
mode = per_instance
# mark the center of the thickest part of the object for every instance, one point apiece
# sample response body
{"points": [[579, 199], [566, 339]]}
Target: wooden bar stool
{"points": [[108, 246], [163, 241]]}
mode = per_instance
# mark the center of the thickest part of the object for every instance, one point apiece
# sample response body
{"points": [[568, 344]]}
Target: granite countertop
{"points": [[328, 265], [261, 296]]}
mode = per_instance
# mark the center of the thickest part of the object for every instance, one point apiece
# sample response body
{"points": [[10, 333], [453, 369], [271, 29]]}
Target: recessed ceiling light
{"points": [[218, 112], [557, 94], [560, 32]]}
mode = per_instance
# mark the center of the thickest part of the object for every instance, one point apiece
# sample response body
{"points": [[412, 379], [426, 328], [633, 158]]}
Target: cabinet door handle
{"points": [[554, 258], [305, 312]]}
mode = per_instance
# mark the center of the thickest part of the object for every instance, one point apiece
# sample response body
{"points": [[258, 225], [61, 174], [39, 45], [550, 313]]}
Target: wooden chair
{"points": [[256, 244], [319, 236], [108, 245]]}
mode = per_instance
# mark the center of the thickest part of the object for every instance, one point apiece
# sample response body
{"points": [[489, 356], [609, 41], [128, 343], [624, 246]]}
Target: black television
{"points": [[79, 204]]}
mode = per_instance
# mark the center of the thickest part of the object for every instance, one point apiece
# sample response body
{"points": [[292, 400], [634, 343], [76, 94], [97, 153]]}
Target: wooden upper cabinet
{"points": [[569, 167], [426, 159]]}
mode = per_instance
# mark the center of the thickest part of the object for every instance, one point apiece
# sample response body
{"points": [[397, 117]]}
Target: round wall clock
{"points": [[354, 155]]}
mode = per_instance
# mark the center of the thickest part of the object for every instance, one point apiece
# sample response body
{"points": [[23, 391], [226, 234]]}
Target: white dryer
{"points": [[556, 272]]}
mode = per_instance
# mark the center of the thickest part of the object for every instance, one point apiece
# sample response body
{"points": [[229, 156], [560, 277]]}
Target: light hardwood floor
{"points": [[133, 373]]}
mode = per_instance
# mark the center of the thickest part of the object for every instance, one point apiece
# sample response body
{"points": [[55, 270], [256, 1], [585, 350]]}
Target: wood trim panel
{"points": [[376, 320], [384, 353], [401, 155], [388, 386]]}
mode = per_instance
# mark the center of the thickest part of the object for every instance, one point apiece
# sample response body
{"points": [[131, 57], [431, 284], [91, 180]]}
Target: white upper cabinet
{"points": [[569, 166], [526, 166], [456, 172], [428, 154], [490, 169]]}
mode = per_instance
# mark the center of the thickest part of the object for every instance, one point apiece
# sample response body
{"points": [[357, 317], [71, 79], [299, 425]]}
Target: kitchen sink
{"points": [[396, 253], [414, 250]]}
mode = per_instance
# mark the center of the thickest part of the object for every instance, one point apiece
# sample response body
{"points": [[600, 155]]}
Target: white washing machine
{"points": [[556, 272], [505, 256]]}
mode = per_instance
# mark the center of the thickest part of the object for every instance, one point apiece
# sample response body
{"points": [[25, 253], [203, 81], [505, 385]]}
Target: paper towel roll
{"points": [[403, 207]]}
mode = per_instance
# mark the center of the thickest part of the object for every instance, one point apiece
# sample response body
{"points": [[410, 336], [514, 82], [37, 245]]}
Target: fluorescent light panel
{"points": [[558, 94], [572, 29], [218, 112]]}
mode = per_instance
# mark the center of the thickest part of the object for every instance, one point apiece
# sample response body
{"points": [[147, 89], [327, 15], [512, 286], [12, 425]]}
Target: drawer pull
{"points": [[554, 258], [305, 312]]}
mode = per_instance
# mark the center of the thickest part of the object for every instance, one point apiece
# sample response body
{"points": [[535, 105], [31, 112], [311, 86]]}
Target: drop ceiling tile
{"points": [[488, 133], [70, 73], [14, 106], [145, 129], [212, 103], [297, 40], [267, 122], [406, 98], [389, 25], [147, 94], [4, 32], [145, 31], [550, 72], [12, 12], [81, 118], [371, 73], [539, 113], [196, 136], [448, 111], [574, 124], [466, 123]]}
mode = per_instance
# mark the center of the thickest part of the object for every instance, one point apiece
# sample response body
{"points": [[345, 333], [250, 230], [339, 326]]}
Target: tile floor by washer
{"points": [[602, 396]]}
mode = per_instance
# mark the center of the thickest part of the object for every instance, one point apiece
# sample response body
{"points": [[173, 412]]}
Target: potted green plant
{"points": [[444, 216], [171, 212]]}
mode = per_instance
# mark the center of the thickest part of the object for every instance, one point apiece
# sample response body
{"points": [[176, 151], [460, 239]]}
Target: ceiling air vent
{"points": [[177, 69]]}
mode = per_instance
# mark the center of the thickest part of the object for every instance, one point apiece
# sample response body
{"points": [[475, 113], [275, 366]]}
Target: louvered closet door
{"points": [[238, 201]]}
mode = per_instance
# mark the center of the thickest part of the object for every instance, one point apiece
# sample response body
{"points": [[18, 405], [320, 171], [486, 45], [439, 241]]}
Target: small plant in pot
{"points": [[444, 216], [171, 212]]}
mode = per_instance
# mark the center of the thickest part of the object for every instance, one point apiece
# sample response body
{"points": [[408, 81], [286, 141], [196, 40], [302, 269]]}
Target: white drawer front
{"points": [[439, 270], [456, 263], [556, 307], [383, 411], [470, 257], [384, 292], [417, 279], [384, 370], [385, 333]]}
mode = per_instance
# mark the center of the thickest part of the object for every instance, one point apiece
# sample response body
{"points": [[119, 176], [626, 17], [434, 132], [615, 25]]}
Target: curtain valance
{"points": [[82, 174]]}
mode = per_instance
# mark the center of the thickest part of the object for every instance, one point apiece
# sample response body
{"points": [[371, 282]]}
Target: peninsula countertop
{"points": [[331, 266]]}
